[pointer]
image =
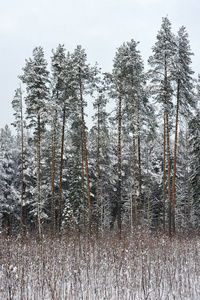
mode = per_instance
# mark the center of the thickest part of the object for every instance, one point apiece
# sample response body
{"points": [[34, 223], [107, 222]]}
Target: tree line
{"points": [[138, 165]]}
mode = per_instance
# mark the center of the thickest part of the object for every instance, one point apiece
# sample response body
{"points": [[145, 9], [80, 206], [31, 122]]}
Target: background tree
{"points": [[10, 183], [194, 139], [100, 157], [17, 106], [74, 213]]}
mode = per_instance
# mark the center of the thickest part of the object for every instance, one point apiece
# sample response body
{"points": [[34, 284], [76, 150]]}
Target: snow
{"points": [[137, 267]]}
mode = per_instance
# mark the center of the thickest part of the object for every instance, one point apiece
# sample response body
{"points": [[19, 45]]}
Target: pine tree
{"points": [[36, 78], [161, 79], [136, 107], [128, 87], [116, 91], [84, 83], [185, 99], [58, 66], [66, 104]]}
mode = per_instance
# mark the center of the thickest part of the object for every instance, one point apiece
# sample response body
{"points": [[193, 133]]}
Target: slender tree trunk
{"points": [[22, 166], [169, 173], [38, 175], [98, 163], [131, 203], [168, 145], [139, 164], [53, 221], [134, 155], [61, 167], [83, 181], [85, 152], [164, 171], [119, 163], [175, 152], [188, 184], [134, 172], [134, 160], [148, 213]]}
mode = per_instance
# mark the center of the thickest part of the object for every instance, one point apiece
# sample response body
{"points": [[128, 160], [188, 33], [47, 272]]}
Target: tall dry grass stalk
{"points": [[139, 266]]}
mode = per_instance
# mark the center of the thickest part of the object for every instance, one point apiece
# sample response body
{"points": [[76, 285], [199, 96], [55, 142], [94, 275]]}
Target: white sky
{"points": [[99, 26]]}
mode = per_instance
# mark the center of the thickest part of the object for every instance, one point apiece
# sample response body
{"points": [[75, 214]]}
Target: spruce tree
{"points": [[10, 193], [18, 123], [194, 140]]}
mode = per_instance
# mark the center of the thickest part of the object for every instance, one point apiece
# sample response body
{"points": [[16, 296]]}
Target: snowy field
{"points": [[139, 266]]}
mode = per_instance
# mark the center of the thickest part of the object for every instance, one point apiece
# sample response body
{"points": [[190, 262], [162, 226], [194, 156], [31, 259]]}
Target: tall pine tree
{"points": [[184, 94], [36, 78], [161, 80]]}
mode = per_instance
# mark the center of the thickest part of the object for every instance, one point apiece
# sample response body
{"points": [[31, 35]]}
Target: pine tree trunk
{"points": [[175, 152], [139, 164], [22, 166], [83, 181], [188, 184], [134, 172], [85, 152], [53, 176], [168, 145], [119, 164], [134, 160], [164, 171], [98, 167], [169, 179], [38, 175], [61, 168], [148, 203], [134, 156]]}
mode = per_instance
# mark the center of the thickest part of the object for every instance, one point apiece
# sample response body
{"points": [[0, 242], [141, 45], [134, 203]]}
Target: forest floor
{"points": [[140, 265]]}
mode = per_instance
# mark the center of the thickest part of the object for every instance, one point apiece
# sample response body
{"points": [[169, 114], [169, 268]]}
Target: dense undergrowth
{"points": [[139, 265]]}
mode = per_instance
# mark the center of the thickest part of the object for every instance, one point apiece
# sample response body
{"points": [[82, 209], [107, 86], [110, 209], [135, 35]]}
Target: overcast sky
{"points": [[99, 26]]}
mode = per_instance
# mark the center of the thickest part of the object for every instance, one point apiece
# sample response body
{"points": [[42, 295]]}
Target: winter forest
{"points": [[133, 175], [139, 164]]}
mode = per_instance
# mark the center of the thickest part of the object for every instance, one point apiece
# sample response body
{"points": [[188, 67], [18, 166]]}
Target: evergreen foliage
{"points": [[58, 175]]}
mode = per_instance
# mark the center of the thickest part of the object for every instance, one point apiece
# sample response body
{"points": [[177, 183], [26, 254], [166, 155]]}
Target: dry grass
{"points": [[137, 266]]}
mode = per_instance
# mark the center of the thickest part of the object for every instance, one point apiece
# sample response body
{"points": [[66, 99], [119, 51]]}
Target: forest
{"points": [[108, 210], [137, 166]]}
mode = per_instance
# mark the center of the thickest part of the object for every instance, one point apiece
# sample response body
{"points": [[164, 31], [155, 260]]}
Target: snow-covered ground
{"points": [[139, 266]]}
